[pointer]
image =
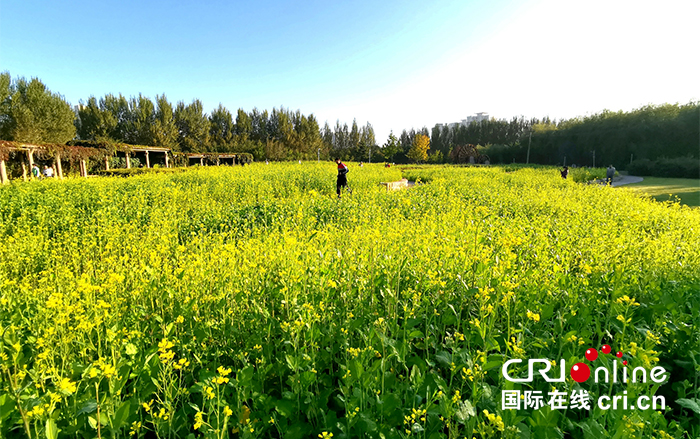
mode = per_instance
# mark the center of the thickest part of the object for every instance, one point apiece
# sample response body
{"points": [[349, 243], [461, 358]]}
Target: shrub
{"points": [[682, 167], [123, 172]]}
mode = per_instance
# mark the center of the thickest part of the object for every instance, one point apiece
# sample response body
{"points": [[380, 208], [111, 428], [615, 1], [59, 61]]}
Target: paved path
{"points": [[626, 179]]}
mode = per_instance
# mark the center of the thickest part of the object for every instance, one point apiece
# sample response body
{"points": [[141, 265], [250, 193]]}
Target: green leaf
{"points": [[88, 407], [131, 350], [245, 375], [6, 405], [443, 358], [690, 404], [284, 408], [465, 411], [391, 403], [592, 430], [367, 424], [356, 369], [292, 362], [51, 429], [121, 415]]}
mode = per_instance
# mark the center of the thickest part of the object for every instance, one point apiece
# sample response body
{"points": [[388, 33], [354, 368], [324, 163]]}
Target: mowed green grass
{"points": [[664, 189]]}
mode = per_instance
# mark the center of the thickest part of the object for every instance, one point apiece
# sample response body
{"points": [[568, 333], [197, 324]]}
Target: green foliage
{"points": [[221, 129], [682, 167], [123, 172], [646, 133], [391, 147], [164, 129], [30, 112], [419, 150], [193, 127]]}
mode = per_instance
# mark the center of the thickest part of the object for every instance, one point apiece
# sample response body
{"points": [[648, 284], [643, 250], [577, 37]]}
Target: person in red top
{"points": [[342, 177]]}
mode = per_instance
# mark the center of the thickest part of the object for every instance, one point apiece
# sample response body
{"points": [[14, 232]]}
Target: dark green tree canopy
{"points": [[30, 112]]}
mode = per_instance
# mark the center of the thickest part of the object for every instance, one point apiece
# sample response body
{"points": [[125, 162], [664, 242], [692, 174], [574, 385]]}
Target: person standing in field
{"points": [[36, 173], [565, 172], [342, 177], [609, 174]]}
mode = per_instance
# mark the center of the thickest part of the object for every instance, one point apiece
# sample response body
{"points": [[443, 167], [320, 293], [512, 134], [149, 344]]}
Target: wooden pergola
{"points": [[146, 151], [83, 153], [218, 158]]}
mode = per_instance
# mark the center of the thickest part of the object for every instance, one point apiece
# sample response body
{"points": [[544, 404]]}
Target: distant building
{"points": [[480, 117]]}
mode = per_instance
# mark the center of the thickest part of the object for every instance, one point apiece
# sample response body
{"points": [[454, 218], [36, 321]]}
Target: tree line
{"points": [[30, 112]]}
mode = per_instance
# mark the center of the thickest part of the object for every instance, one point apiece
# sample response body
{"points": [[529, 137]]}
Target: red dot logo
{"points": [[606, 349], [580, 372], [619, 354], [591, 354]]}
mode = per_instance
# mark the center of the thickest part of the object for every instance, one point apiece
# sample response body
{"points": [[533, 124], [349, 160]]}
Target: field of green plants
{"points": [[249, 302]]}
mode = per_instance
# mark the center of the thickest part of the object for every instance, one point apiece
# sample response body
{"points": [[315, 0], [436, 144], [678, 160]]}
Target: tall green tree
{"points": [[5, 104], [165, 133], [221, 129], [33, 114], [193, 127], [354, 139], [141, 121], [391, 147], [366, 142], [118, 108], [94, 122]]}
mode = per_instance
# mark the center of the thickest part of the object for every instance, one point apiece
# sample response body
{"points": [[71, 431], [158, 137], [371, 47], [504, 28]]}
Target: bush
{"points": [[682, 167], [122, 172], [583, 175], [642, 168]]}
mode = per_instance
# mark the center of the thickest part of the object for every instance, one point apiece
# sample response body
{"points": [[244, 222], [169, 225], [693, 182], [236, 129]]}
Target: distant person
{"points": [[387, 165], [35, 171], [267, 162], [609, 174], [342, 177], [361, 165], [48, 171], [564, 172]]}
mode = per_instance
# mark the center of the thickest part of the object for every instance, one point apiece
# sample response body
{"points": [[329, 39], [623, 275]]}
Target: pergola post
{"points": [[59, 168], [30, 159], [128, 162], [3, 172], [83, 168], [217, 161], [24, 170], [201, 161], [106, 163], [167, 163], [148, 162]]}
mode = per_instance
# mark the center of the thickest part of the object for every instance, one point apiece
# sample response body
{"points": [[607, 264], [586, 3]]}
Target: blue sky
{"points": [[394, 64]]}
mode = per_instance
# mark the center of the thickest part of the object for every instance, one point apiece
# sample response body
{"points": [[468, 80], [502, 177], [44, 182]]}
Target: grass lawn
{"points": [[687, 189]]}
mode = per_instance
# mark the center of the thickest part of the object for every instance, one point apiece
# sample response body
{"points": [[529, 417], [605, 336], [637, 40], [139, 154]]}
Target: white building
{"points": [[480, 117]]}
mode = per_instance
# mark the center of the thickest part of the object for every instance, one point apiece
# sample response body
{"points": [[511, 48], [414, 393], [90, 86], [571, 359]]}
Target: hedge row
{"points": [[123, 172], [682, 167]]}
